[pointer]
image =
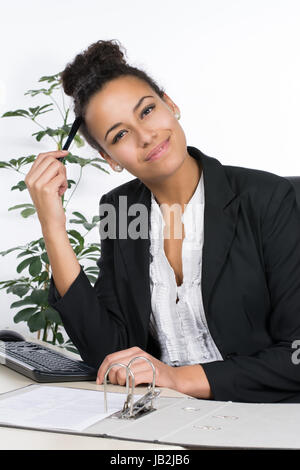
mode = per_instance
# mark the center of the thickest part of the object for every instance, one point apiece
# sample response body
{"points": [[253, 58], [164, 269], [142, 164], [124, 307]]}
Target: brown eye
{"points": [[146, 109], [119, 135]]}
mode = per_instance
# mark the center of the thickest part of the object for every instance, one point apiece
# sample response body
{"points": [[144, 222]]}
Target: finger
{"points": [[36, 172], [120, 372], [53, 169], [42, 156], [123, 359], [142, 375], [123, 356], [55, 186]]}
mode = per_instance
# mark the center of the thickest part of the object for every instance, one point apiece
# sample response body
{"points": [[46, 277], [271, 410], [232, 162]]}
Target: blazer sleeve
{"points": [[92, 315], [272, 374]]}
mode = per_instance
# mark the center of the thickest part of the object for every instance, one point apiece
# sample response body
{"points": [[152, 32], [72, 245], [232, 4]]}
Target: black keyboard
{"points": [[43, 364]]}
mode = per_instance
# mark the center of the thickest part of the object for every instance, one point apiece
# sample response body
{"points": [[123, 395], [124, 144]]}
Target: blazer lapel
{"points": [[136, 255], [220, 218]]}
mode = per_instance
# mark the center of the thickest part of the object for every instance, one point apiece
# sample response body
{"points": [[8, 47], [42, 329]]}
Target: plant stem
{"points": [[80, 175], [40, 125], [55, 102], [45, 332], [55, 333], [63, 100]]}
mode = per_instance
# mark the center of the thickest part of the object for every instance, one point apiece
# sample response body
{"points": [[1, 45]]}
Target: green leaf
{"points": [[33, 110], [76, 221], [19, 206], [4, 165], [40, 297], [26, 263], [27, 212], [37, 322], [25, 314], [77, 236], [35, 267], [39, 135], [16, 113], [41, 242], [92, 279], [77, 249], [89, 226], [50, 78], [36, 92], [80, 216], [72, 349], [45, 258], [38, 109], [79, 141], [43, 277], [20, 186], [90, 250], [53, 316], [70, 182], [93, 269], [24, 253], [26, 301], [3, 253], [19, 290], [59, 338], [45, 106], [97, 166]]}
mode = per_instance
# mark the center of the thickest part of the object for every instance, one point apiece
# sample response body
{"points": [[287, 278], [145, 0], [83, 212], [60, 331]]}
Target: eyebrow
{"points": [[134, 110]]}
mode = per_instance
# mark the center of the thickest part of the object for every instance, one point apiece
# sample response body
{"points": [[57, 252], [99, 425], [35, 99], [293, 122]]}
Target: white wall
{"points": [[232, 67]]}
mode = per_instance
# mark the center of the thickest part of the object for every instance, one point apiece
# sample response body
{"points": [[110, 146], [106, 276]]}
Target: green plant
{"points": [[33, 289]]}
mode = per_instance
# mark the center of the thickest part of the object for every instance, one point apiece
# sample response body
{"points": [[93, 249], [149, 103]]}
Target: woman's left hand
{"points": [[142, 371]]}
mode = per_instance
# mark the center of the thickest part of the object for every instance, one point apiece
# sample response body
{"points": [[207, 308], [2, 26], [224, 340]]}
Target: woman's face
{"points": [[141, 120]]}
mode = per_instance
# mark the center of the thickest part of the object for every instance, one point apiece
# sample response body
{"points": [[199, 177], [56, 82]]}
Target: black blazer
{"points": [[250, 285]]}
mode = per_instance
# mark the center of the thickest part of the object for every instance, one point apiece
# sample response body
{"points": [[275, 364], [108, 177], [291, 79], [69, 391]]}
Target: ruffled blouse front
{"points": [[181, 326]]}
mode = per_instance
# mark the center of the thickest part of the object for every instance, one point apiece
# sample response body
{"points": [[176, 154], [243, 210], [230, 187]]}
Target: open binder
{"points": [[184, 421], [144, 404]]}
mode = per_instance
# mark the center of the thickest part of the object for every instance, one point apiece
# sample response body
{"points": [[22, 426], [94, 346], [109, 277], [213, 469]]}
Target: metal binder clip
{"points": [[144, 404], [129, 396]]}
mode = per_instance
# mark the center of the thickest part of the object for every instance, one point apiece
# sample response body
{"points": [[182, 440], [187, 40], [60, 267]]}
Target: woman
{"points": [[216, 308]]}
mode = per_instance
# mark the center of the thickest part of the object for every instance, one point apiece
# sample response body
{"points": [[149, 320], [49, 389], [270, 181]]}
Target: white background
{"points": [[232, 67]]}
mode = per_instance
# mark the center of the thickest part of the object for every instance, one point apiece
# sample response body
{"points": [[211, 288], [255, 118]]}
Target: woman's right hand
{"points": [[47, 182]]}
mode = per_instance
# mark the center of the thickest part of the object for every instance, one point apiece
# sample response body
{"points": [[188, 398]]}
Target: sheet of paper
{"points": [[62, 408]]}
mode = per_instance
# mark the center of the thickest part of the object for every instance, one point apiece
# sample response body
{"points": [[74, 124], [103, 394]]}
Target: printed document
{"points": [[42, 406]]}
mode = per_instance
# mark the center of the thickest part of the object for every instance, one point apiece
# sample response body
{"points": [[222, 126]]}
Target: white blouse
{"points": [[181, 327]]}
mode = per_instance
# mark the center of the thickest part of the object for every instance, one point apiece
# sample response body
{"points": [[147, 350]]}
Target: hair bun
{"points": [[99, 57], [105, 53]]}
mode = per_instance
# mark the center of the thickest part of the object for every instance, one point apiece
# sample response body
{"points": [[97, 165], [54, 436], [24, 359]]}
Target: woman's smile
{"points": [[158, 152]]}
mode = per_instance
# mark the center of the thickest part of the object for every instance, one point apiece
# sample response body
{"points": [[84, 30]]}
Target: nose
{"points": [[146, 136]]}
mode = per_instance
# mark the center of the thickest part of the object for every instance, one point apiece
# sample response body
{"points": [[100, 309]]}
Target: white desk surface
{"points": [[22, 439]]}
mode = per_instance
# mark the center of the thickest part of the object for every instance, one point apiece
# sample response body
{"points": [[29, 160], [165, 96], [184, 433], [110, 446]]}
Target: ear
{"points": [[173, 107], [110, 161], [106, 157]]}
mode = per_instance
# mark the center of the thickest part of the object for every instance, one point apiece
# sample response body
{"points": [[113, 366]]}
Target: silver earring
{"points": [[177, 115], [118, 168]]}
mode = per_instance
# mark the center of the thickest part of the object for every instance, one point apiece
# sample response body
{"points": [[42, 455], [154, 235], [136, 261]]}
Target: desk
{"points": [[22, 439]]}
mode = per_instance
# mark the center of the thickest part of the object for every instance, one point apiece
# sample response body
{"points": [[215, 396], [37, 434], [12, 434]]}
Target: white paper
{"points": [[58, 407]]}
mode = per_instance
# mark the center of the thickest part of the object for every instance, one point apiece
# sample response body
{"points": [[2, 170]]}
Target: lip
{"points": [[155, 153]]}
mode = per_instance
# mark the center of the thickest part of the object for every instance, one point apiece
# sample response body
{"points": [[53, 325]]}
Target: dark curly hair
{"points": [[101, 62]]}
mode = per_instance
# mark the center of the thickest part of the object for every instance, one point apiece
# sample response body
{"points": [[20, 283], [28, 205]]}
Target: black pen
{"points": [[75, 126]]}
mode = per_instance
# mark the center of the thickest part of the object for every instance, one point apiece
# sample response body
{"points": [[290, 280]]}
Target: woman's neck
{"points": [[179, 187]]}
